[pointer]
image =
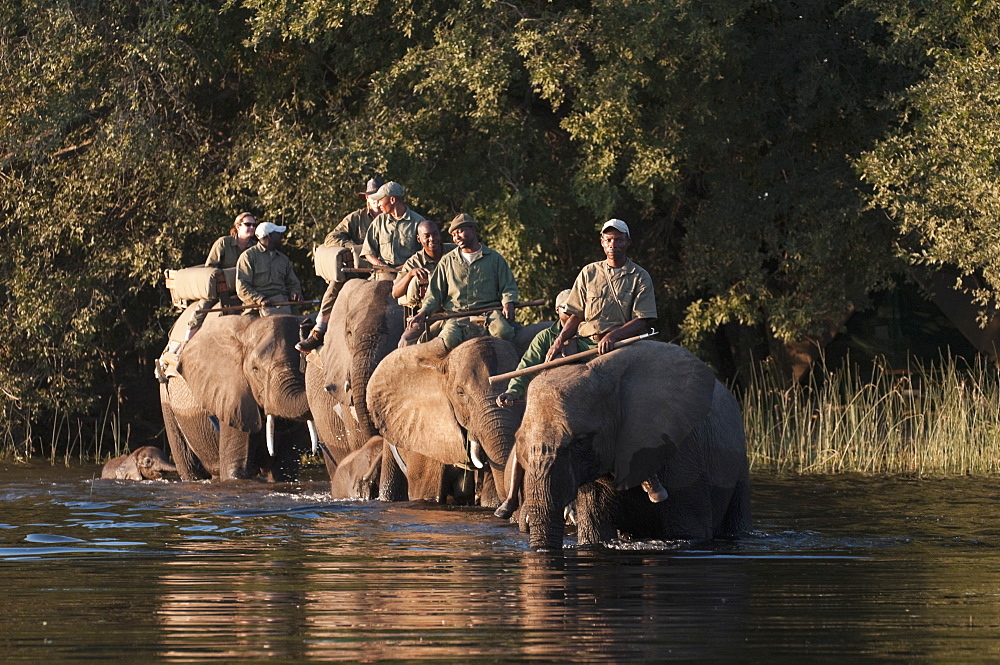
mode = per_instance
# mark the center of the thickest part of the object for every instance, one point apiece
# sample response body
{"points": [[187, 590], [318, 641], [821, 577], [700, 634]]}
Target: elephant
{"points": [[365, 325], [439, 412], [145, 463], [594, 431], [233, 373]]}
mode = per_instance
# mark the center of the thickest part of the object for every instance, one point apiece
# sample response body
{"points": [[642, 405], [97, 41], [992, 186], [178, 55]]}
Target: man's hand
{"points": [[509, 311], [421, 274], [295, 297], [557, 350], [417, 319]]}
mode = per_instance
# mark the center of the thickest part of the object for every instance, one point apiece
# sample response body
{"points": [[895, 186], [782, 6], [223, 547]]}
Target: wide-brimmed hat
{"points": [[267, 228], [372, 186], [462, 219]]}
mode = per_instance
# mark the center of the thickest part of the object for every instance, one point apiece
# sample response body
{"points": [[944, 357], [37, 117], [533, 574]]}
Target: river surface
{"points": [[838, 569]]}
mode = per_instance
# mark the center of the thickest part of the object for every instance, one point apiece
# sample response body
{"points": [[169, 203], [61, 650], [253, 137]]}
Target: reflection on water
{"points": [[863, 569]]}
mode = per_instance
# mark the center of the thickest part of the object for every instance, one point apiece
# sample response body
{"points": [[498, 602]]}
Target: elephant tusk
{"points": [[354, 413], [313, 435], [270, 434], [338, 410], [474, 450], [399, 460]]}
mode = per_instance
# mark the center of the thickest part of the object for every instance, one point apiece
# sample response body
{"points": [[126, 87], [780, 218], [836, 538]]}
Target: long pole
{"points": [[484, 310], [576, 357]]}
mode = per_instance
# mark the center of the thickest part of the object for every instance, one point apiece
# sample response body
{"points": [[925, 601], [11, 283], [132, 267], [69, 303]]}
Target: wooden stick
{"points": [[576, 357], [368, 271], [239, 308], [484, 310]]}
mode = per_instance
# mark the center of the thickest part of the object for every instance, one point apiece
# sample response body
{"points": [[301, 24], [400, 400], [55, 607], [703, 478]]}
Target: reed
{"points": [[60, 436], [928, 420]]}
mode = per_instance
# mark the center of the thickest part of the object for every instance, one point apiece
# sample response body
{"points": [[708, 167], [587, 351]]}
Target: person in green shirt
{"points": [[225, 252], [392, 236], [472, 276], [350, 234]]}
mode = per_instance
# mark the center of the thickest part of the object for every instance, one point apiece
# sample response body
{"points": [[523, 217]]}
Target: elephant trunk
{"points": [[494, 430], [366, 358], [549, 488], [287, 397]]}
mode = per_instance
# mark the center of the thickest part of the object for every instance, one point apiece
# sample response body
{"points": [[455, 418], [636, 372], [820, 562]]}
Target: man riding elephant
{"points": [[470, 277]]}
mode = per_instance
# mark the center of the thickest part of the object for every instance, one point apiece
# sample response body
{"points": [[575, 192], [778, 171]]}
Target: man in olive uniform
{"points": [[350, 233], [352, 229], [417, 270], [611, 300], [265, 275], [472, 276], [392, 237]]}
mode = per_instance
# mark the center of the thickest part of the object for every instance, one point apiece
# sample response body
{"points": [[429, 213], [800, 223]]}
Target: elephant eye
{"points": [[460, 391]]}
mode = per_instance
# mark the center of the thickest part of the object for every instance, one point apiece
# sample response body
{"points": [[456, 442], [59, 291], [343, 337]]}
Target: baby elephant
{"points": [[144, 463]]}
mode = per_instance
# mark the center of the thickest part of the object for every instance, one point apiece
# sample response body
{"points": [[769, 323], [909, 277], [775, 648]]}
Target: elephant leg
{"points": [[188, 466], [486, 489], [597, 508], [392, 480], [235, 460]]}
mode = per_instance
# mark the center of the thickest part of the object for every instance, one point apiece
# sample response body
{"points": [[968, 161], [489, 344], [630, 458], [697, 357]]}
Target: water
{"points": [[867, 570]]}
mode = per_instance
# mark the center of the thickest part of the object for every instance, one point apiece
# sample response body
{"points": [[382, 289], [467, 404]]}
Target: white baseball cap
{"points": [[267, 228], [615, 224]]}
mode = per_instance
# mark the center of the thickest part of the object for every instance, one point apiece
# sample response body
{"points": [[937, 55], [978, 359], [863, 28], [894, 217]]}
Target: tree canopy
{"points": [[777, 162]]}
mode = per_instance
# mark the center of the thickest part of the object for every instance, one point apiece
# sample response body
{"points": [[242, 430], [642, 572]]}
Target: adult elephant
{"points": [[365, 325], [237, 373], [645, 407], [439, 412]]}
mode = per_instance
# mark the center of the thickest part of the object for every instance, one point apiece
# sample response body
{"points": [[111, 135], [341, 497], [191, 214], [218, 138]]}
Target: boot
{"points": [[655, 489], [313, 342]]}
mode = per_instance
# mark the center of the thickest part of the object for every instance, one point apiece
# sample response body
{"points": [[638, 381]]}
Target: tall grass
{"points": [[938, 419], [59, 436]]}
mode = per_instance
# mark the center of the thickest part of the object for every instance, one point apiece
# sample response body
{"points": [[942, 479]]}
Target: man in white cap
{"points": [[350, 233], [392, 236], [265, 275], [611, 300]]}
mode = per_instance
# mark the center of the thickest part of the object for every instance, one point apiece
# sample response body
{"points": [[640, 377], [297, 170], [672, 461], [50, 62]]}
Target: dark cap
{"points": [[462, 219], [372, 186]]}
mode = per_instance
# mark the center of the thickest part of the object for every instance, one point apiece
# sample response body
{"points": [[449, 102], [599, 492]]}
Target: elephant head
{"points": [[429, 401], [623, 413], [238, 367], [145, 463], [365, 325]]}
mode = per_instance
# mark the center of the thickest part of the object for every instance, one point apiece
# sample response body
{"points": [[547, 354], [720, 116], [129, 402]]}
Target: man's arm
{"points": [[370, 247], [244, 280], [507, 286], [567, 333], [342, 234], [631, 329], [293, 283]]}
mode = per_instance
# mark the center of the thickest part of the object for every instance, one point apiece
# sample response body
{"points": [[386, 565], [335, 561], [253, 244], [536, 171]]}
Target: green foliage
{"points": [[728, 134]]}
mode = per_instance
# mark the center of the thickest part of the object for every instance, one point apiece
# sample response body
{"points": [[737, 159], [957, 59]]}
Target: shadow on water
{"points": [[181, 572]]}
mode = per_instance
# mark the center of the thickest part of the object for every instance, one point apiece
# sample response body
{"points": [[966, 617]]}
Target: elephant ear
{"points": [[664, 393], [212, 365], [409, 404]]}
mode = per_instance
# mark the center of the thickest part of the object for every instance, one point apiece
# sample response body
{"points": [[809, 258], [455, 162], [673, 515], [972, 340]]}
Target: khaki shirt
{"points": [[225, 252], [393, 240], [593, 297], [351, 230], [457, 286], [420, 260], [261, 274]]}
